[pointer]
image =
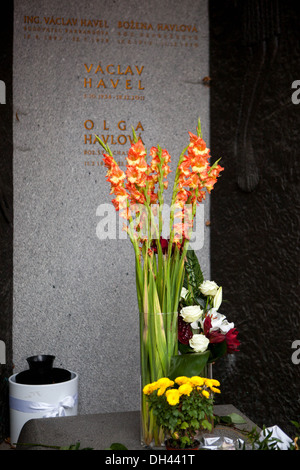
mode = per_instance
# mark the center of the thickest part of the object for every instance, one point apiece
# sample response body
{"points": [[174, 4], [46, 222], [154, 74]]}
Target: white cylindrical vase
{"points": [[40, 401]]}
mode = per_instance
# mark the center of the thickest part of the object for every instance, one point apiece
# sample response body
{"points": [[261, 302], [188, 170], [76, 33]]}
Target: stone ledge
{"points": [[99, 431]]}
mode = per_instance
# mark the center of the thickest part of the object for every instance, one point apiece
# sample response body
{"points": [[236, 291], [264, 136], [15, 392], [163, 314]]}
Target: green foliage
{"points": [[117, 446], [74, 447], [268, 443], [69, 447], [193, 273], [229, 420]]}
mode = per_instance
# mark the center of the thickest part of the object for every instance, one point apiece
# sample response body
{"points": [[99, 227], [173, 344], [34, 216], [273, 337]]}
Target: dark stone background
{"points": [[255, 223]]}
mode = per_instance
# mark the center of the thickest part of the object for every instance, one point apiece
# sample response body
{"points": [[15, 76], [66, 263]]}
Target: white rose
{"points": [[183, 293], [209, 288], [199, 343], [191, 313]]}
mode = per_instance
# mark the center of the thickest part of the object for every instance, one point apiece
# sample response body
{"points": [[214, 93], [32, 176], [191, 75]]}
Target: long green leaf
{"points": [[187, 365], [194, 276]]}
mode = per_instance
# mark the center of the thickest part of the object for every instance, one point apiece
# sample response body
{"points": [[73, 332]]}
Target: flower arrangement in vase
{"points": [[204, 334], [160, 264], [183, 408]]}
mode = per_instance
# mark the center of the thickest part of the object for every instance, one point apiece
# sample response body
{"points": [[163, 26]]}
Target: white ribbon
{"points": [[54, 410], [36, 407]]}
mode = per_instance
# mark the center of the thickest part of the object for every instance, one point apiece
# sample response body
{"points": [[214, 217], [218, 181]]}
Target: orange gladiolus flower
{"points": [[121, 197], [115, 176], [193, 181], [142, 165], [182, 197], [158, 162], [136, 152], [184, 167], [199, 164], [135, 195], [201, 196], [197, 144], [135, 176]]}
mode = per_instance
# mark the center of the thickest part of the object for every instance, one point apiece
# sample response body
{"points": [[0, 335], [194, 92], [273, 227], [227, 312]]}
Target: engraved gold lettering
{"points": [[114, 84], [107, 69], [88, 124], [60, 21], [87, 81], [135, 25], [31, 19], [122, 139], [88, 139], [99, 69], [101, 83], [139, 126], [105, 139], [139, 71], [119, 70], [94, 23], [183, 28], [128, 70], [88, 69], [122, 125]]}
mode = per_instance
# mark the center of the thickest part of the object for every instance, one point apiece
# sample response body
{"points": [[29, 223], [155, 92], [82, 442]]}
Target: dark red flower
{"points": [[232, 341], [163, 243], [184, 331], [207, 325], [213, 336]]}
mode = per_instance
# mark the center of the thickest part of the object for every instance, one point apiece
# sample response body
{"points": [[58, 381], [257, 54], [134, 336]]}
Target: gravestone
{"points": [[80, 69]]}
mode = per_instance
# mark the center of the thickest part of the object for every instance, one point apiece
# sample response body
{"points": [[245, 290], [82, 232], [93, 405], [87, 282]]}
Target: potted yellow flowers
{"points": [[182, 408]]}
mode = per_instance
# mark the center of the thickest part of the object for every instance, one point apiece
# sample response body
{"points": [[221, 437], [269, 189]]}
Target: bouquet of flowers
{"points": [[182, 407], [160, 264], [201, 327]]}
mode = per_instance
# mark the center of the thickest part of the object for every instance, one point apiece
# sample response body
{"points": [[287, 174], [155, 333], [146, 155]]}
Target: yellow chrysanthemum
{"points": [[197, 381], [205, 393], [165, 382], [185, 389], [161, 391], [212, 382], [149, 388], [182, 380], [215, 382], [173, 396], [215, 390]]}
